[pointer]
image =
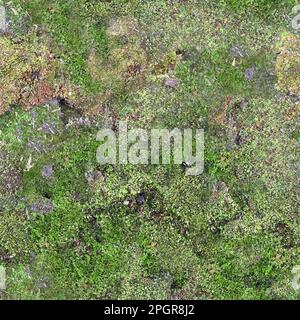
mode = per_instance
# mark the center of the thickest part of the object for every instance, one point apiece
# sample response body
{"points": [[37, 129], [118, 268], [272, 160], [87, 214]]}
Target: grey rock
{"points": [[42, 206], [93, 176], [42, 282], [244, 104], [236, 52], [47, 171], [36, 146], [171, 83], [249, 73], [50, 128]]}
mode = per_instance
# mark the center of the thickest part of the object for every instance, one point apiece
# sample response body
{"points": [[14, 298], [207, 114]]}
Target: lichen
{"points": [[25, 71], [288, 64]]}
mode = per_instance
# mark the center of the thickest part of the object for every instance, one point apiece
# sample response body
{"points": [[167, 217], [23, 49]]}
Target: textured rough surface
{"points": [[71, 228], [24, 71]]}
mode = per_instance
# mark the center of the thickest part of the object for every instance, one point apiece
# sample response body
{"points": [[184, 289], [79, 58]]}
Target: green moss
{"points": [[263, 8], [75, 29], [151, 232], [13, 235]]}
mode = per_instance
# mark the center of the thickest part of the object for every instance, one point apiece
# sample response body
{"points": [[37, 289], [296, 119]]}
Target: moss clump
{"points": [[288, 64], [123, 65], [25, 71], [13, 235]]}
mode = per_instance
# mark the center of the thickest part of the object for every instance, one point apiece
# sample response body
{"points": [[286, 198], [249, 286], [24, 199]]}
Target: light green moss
{"points": [[288, 64]]}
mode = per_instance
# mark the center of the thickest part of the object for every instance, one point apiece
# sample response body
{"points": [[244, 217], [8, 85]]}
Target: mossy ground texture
{"points": [[73, 229]]}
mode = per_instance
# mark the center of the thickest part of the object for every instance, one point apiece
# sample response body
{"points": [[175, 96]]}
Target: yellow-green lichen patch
{"points": [[24, 70], [288, 64], [124, 26]]}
